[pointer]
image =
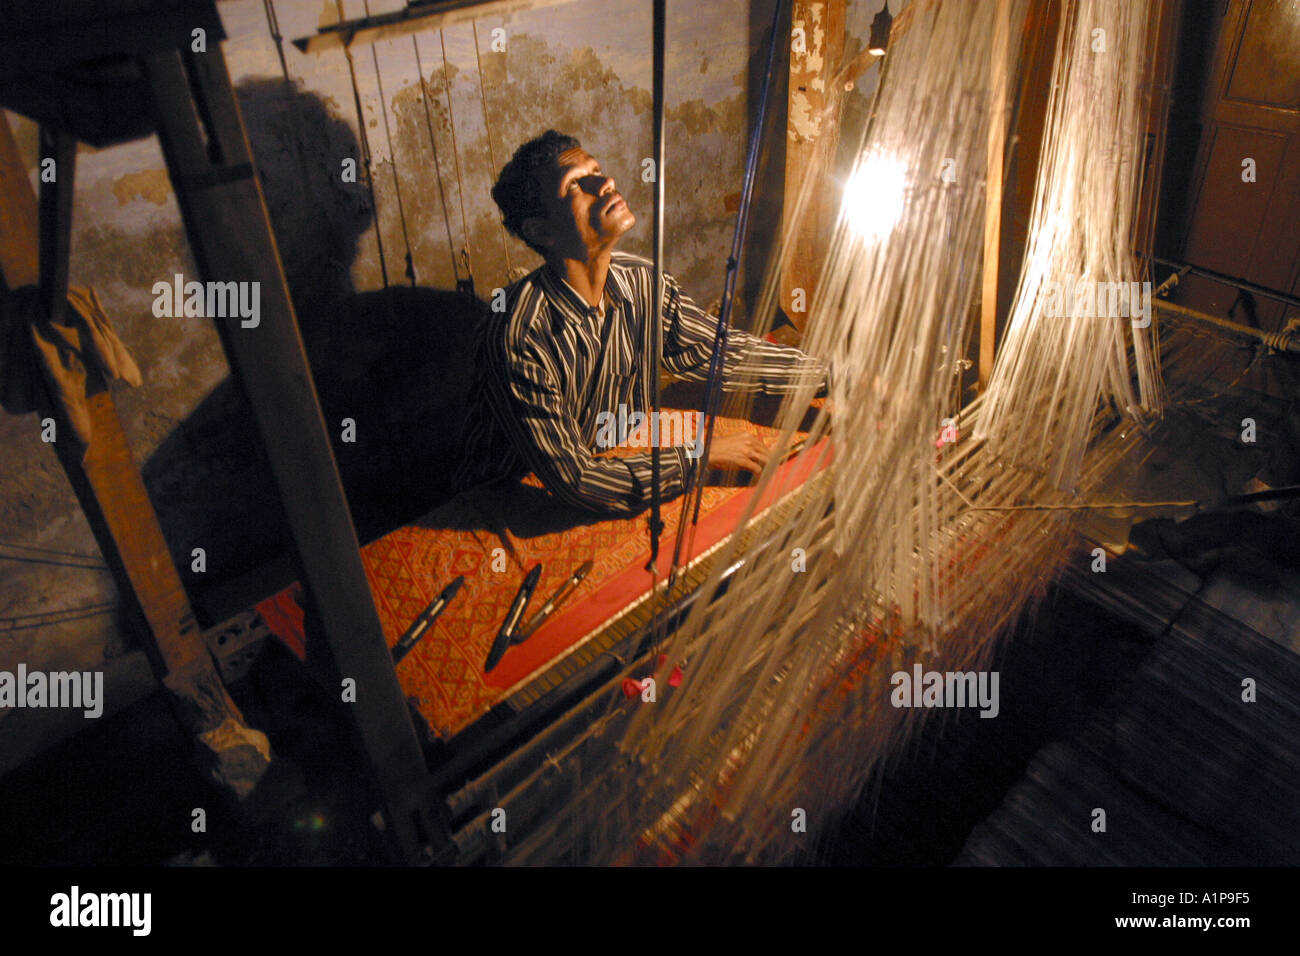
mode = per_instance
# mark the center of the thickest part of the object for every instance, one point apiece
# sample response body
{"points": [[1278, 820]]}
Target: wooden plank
{"points": [[43, 37], [230, 235], [55, 207], [1037, 57], [19, 240], [1163, 54], [102, 111], [418, 17], [117, 507], [812, 130], [109, 488], [106, 481], [993, 191], [113, 496]]}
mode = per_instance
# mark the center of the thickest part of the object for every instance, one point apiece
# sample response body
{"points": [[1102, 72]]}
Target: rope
{"points": [[273, 25], [437, 166], [62, 554], [22, 559]]}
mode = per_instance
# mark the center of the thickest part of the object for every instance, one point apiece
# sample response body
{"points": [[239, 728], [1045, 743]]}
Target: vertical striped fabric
{"points": [[549, 364]]}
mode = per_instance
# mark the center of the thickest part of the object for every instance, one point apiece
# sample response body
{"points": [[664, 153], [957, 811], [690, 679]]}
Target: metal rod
{"points": [[417, 16], [1169, 283], [218, 201], [654, 321], [1272, 494], [712, 395], [1280, 341], [1242, 284]]}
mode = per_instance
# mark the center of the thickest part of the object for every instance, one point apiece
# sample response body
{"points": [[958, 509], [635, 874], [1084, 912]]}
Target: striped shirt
{"points": [[549, 364]]}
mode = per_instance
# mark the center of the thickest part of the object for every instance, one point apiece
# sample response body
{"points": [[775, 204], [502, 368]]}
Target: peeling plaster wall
{"points": [[581, 66]]}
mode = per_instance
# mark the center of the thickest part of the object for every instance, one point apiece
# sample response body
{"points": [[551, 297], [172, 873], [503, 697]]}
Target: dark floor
{"points": [[124, 792], [1053, 675], [1120, 693], [1138, 713]]}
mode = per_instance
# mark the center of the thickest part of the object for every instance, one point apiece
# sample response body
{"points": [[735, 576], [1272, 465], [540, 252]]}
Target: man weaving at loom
{"points": [[565, 348]]}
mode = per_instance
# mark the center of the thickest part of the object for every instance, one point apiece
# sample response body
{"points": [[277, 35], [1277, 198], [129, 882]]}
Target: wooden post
{"points": [[811, 134], [993, 191], [56, 221], [225, 217], [19, 237], [109, 488]]}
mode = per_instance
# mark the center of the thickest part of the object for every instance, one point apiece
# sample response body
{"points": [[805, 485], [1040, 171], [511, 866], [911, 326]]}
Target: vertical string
{"points": [[392, 154], [487, 132], [273, 26], [437, 166], [465, 252], [392, 161], [364, 141], [652, 356], [786, 697]]}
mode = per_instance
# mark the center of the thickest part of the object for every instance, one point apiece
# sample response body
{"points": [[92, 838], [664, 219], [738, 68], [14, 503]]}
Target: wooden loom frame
{"points": [[210, 164]]}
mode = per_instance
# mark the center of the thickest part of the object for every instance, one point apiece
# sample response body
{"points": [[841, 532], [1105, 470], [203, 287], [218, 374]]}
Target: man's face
{"points": [[586, 215]]}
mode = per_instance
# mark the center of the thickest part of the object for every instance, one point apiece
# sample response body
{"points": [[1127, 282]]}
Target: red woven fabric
{"points": [[512, 531]]}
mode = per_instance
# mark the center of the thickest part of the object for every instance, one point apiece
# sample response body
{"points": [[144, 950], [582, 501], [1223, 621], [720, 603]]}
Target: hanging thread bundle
{"points": [[908, 551]]}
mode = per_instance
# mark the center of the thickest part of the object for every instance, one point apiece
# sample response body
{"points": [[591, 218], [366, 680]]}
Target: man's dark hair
{"points": [[520, 187]]}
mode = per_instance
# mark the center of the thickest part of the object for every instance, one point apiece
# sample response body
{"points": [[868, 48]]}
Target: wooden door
{"points": [[1244, 209]]}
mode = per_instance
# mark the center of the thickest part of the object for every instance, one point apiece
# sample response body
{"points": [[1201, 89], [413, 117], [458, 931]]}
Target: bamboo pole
{"points": [[993, 192]]}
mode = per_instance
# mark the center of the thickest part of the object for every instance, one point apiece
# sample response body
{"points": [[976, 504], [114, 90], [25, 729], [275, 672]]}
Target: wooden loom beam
{"points": [[107, 482], [812, 130], [225, 216], [993, 190], [416, 17], [1025, 119], [19, 229]]}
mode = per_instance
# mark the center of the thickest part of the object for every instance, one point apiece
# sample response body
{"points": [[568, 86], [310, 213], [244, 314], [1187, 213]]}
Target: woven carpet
{"points": [[494, 537]]}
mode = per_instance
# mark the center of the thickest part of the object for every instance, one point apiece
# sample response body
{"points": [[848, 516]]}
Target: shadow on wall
{"points": [[397, 361]]}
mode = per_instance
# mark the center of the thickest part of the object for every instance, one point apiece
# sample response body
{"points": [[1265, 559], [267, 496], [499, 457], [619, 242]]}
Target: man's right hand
{"points": [[742, 450]]}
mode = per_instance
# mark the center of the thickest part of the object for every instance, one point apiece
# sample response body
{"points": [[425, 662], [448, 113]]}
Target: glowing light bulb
{"points": [[873, 195]]}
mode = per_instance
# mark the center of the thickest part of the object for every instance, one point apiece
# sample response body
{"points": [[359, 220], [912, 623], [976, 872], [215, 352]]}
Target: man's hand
{"points": [[742, 450]]}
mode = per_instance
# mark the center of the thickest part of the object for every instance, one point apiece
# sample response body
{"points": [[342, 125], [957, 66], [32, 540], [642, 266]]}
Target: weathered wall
{"points": [[582, 67]]}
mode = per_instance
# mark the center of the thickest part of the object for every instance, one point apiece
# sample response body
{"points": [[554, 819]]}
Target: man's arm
{"points": [[749, 363], [542, 428]]}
